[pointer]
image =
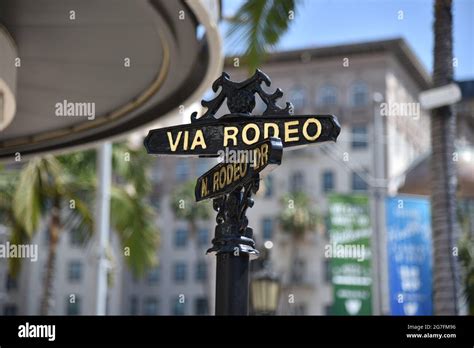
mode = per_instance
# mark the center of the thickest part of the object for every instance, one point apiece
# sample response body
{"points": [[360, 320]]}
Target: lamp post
{"points": [[265, 286]]}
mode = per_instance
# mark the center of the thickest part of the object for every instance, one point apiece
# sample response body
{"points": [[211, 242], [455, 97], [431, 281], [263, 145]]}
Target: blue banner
{"points": [[409, 255]]}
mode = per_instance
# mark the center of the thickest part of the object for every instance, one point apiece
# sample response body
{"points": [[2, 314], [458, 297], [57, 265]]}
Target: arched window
{"points": [[359, 94], [328, 95], [297, 96]]}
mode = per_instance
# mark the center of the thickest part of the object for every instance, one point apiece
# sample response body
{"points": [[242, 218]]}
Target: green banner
{"points": [[350, 254]]}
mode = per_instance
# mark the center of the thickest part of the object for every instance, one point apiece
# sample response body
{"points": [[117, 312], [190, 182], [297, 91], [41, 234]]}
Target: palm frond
{"points": [[259, 25], [29, 198], [184, 206], [133, 221], [132, 166]]}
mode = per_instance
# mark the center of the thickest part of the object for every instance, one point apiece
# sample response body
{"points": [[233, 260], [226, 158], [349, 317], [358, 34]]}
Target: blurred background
{"points": [[343, 228]]}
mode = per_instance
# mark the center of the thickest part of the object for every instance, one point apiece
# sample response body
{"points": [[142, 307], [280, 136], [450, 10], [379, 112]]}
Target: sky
{"points": [[332, 22]]}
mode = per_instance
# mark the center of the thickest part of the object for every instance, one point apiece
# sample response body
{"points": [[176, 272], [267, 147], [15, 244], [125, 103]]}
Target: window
{"points": [[297, 182], [150, 306], [328, 95], [201, 270], [268, 186], [297, 98], [267, 228], [359, 95], [201, 306], [133, 305], [359, 137], [328, 181], [358, 183], [9, 309], [203, 236], [178, 306], [179, 272], [73, 308], [153, 275], [181, 238], [11, 283], [74, 271], [182, 169]]}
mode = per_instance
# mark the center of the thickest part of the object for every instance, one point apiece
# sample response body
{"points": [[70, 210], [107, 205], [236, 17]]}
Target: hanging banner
{"points": [[409, 255], [350, 254]]}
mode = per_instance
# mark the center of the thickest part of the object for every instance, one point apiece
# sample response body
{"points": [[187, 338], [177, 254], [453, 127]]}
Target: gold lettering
{"points": [[264, 151], [204, 187], [256, 136], [256, 158], [215, 182], [236, 171], [198, 140], [230, 136], [173, 146], [186, 140], [222, 177], [230, 173], [243, 169], [318, 129], [276, 130], [289, 131]]}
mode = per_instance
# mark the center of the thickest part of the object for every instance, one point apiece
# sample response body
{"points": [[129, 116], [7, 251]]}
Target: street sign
{"points": [[440, 96], [256, 142], [232, 131], [239, 168]]}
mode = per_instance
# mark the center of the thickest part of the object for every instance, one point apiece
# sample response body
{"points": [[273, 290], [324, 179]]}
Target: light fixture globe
{"points": [[265, 287]]}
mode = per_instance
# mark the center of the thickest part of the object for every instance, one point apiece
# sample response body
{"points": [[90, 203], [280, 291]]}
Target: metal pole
{"points": [[232, 284], [234, 248], [378, 204], [104, 174]]}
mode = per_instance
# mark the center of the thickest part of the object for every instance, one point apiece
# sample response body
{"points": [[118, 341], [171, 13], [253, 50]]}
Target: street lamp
{"points": [[265, 287]]}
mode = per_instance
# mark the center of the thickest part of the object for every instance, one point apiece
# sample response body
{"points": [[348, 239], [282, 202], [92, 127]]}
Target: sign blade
{"points": [[235, 131], [239, 168]]}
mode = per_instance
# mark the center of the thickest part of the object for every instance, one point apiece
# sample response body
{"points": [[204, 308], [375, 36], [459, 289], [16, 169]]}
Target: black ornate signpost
{"points": [[256, 144]]}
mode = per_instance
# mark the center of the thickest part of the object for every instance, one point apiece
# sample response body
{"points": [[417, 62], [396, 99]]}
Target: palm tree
{"points": [[43, 190], [260, 25], [443, 187], [62, 189]]}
